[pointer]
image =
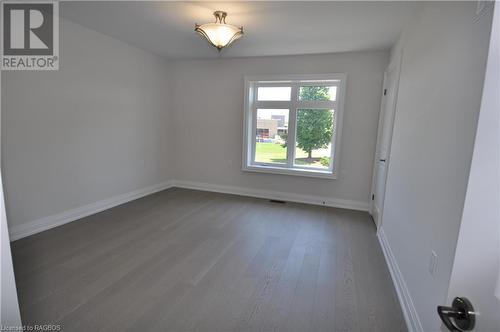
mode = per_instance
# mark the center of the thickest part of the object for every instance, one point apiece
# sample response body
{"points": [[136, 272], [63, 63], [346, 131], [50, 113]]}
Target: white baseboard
{"points": [[410, 313], [43, 224], [40, 225], [278, 195], [375, 212]]}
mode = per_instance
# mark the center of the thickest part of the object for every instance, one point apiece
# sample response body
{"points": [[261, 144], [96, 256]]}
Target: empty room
{"points": [[265, 166]]}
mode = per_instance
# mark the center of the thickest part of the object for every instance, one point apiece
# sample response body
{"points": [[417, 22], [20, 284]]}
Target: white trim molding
{"points": [[39, 225], [405, 300], [278, 195], [293, 105]]}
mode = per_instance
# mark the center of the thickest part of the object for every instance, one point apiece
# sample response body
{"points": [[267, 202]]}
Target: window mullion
{"points": [[254, 127], [292, 119]]}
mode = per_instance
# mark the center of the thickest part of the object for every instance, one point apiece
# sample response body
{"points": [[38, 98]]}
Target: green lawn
{"points": [[275, 153]]}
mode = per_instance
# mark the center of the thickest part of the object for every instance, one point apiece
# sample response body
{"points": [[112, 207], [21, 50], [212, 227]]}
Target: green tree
{"points": [[314, 126], [284, 137]]}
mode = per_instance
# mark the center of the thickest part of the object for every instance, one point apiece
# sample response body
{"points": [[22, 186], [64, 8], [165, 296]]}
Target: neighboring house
{"points": [[280, 119], [267, 128]]}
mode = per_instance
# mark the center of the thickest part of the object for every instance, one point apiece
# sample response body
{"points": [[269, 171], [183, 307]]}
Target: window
{"points": [[293, 124]]}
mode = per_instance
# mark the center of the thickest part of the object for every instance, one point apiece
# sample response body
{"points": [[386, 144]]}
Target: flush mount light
{"points": [[219, 34]]}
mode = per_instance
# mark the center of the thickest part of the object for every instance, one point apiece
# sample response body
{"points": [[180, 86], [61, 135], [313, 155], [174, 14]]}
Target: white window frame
{"points": [[250, 120]]}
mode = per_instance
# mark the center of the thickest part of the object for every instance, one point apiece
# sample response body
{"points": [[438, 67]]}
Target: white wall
{"points": [[444, 56], [208, 116], [97, 128]]}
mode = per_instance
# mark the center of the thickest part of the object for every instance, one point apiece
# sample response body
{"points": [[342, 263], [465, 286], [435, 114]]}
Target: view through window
{"points": [[294, 124]]}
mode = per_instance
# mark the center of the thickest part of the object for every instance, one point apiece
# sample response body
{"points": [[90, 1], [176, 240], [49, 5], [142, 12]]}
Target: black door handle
{"points": [[459, 317], [382, 160]]}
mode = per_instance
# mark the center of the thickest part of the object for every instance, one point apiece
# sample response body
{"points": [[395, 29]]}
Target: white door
{"points": [[476, 269], [384, 137], [9, 307]]}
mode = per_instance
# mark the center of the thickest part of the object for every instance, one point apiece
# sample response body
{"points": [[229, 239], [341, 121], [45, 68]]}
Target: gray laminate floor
{"points": [[183, 260]]}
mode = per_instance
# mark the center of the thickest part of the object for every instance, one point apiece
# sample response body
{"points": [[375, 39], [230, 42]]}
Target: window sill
{"points": [[288, 171]]}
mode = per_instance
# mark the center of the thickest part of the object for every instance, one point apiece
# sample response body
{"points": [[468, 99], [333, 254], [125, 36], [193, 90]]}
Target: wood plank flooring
{"points": [[183, 260]]}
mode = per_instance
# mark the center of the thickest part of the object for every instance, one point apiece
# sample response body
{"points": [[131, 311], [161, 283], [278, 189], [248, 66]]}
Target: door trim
{"points": [[396, 65]]}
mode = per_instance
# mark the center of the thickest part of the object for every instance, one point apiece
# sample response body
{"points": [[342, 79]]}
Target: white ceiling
{"points": [[271, 28]]}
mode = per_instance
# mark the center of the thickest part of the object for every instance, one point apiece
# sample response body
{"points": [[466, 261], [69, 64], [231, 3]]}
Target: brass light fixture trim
{"points": [[219, 34]]}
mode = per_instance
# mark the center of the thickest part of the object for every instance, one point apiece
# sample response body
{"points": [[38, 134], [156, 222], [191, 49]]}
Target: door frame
{"points": [[476, 262], [395, 64]]}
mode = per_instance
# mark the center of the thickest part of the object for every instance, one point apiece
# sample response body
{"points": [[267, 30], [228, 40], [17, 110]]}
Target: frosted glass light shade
{"points": [[219, 34]]}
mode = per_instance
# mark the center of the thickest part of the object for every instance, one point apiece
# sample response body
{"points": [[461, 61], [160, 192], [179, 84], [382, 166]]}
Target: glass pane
{"points": [[271, 134], [321, 93], [274, 93], [314, 136]]}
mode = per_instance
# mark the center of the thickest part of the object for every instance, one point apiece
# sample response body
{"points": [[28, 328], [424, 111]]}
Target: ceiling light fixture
{"points": [[219, 34]]}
